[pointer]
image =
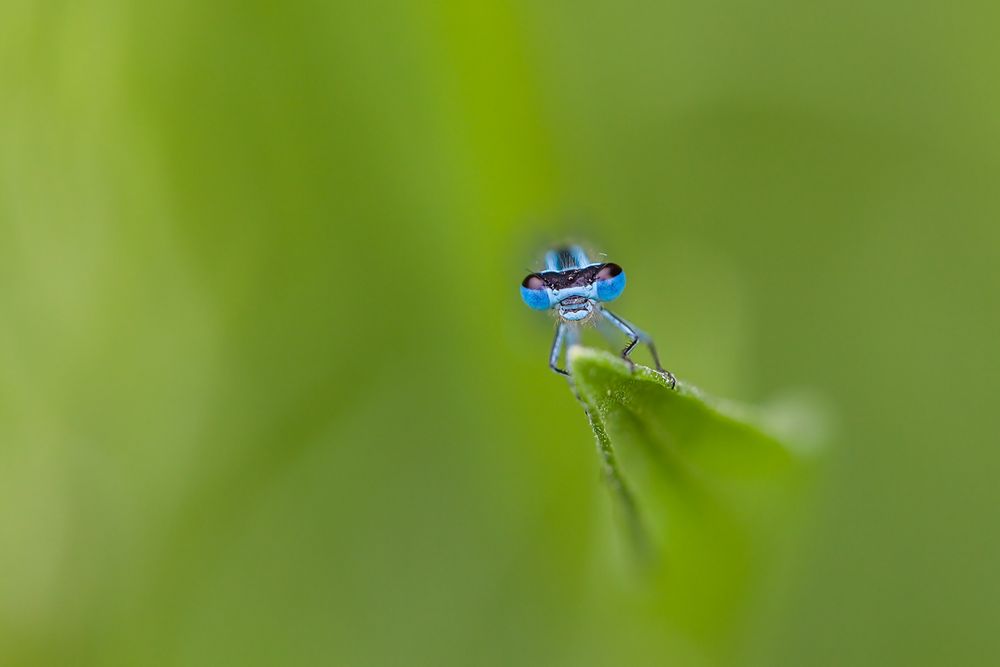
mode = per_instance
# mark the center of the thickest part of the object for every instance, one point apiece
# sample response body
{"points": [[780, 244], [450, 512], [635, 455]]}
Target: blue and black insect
{"points": [[577, 290]]}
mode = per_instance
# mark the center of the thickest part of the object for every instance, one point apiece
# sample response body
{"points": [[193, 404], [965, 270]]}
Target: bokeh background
{"points": [[268, 395]]}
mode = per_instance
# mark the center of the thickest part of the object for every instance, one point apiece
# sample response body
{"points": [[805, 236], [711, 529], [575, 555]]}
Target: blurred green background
{"points": [[268, 394]]}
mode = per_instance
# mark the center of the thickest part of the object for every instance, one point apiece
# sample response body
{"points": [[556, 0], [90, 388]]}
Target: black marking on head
{"points": [[609, 271], [533, 281], [573, 277]]}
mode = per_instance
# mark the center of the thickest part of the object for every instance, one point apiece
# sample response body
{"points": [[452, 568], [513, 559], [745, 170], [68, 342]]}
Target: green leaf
{"points": [[710, 490]]}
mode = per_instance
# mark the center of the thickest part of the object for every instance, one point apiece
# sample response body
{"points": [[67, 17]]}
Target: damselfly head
{"points": [[572, 285]]}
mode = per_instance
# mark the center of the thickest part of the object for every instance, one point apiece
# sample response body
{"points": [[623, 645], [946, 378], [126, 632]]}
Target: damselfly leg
{"points": [[635, 336], [557, 346]]}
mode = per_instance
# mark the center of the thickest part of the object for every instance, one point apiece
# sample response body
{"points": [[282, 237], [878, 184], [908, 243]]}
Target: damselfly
{"points": [[577, 290]]}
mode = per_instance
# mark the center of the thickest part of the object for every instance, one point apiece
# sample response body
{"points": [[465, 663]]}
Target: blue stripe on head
{"points": [[570, 257], [552, 261], [579, 256]]}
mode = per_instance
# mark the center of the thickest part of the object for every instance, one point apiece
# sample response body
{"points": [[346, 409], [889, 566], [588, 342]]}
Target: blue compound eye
{"points": [[534, 293], [610, 282]]}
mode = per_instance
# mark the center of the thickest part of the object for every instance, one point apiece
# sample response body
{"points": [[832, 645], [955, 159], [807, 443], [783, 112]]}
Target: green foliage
{"points": [[707, 490], [268, 394]]}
